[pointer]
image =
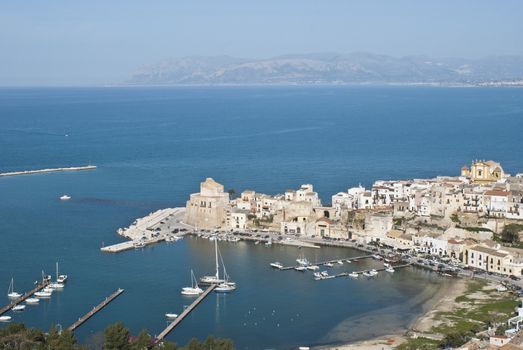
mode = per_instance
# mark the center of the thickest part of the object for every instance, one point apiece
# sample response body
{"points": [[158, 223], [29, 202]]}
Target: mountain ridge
{"points": [[329, 68]]}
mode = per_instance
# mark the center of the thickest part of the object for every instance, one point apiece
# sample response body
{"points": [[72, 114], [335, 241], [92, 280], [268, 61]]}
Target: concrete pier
{"points": [[332, 261], [95, 309], [51, 170]]}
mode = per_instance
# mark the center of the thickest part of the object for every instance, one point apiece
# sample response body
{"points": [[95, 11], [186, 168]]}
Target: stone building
{"points": [[210, 208]]}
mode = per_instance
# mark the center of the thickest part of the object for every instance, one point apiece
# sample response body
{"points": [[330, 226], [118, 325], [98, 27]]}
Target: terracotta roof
{"points": [[489, 251], [499, 193]]}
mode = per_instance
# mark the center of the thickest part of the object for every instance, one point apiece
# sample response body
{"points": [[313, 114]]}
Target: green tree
{"points": [[143, 341], [510, 233], [193, 344], [116, 337]]}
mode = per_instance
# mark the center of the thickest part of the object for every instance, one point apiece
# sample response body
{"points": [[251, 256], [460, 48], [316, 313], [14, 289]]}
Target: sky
{"points": [[95, 42]]}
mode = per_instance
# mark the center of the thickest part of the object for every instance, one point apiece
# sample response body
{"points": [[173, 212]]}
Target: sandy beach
{"points": [[444, 300]]}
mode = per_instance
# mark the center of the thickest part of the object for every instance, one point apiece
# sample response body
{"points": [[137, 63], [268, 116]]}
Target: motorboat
{"points": [[313, 267], [5, 318], [389, 269], [353, 275], [171, 316], [277, 265], [173, 238], [386, 264], [48, 290], [56, 285], [269, 242], [302, 260], [138, 244], [340, 262], [65, 197], [317, 275], [324, 274], [377, 257], [194, 289], [32, 301], [348, 261], [43, 294], [301, 268], [373, 272], [61, 279], [11, 294], [329, 264], [367, 274], [18, 308]]}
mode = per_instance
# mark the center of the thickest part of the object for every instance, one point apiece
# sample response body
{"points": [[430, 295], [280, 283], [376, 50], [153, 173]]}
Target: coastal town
{"points": [[467, 225]]}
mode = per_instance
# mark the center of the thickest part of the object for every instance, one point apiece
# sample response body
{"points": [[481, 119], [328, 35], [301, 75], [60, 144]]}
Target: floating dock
{"points": [[51, 170], [15, 302], [346, 274], [332, 261], [120, 247], [185, 313], [95, 309]]}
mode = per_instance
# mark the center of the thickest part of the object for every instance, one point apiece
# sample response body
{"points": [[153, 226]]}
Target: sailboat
{"points": [[194, 289], [215, 279], [11, 294], [58, 284], [227, 286]]}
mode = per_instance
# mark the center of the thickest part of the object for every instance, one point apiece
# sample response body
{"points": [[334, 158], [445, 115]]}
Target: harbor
{"points": [[50, 170], [41, 285]]}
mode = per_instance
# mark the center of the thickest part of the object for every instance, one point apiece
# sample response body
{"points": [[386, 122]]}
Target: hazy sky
{"points": [[95, 42]]}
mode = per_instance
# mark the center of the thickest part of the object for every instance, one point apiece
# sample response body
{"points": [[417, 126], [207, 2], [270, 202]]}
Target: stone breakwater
{"points": [[50, 170]]}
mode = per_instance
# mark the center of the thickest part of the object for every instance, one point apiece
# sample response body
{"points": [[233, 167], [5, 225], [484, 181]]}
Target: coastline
{"points": [[443, 300]]}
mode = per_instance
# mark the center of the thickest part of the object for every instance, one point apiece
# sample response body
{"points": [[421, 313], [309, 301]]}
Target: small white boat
{"points": [[389, 269], [171, 316], [194, 289], [11, 294], [32, 301], [340, 262], [348, 261], [65, 197], [56, 285], [317, 275], [277, 265], [377, 257], [268, 243], [313, 267], [61, 279], [43, 294], [386, 264], [373, 272], [353, 275], [301, 268], [18, 308], [367, 274], [302, 260], [329, 264], [225, 288], [5, 318], [173, 238], [324, 274], [48, 290]]}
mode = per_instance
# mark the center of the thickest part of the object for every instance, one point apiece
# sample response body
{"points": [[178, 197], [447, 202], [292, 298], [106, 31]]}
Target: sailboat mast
{"points": [[216, 253], [57, 271]]}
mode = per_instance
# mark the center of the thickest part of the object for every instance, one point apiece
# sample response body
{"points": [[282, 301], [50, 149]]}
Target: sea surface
{"points": [[153, 146]]}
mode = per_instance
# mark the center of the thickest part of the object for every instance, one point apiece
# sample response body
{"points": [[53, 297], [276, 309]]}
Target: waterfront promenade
{"points": [[50, 170]]}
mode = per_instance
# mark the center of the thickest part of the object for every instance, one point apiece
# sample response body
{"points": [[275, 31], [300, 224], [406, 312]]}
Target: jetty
{"points": [[120, 247], [331, 261], [15, 302], [51, 170], [95, 310], [185, 313]]}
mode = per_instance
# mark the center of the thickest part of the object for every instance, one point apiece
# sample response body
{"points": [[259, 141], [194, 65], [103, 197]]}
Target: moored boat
{"points": [[301, 268], [11, 294], [313, 267], [277, 265], [171, 316], [353, 275], [43, 294], [18, 308], [5, 318], [194, 289], [32, 301]]}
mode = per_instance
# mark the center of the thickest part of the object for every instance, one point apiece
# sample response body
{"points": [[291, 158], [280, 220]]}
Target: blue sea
{"points": [[153, 146]]}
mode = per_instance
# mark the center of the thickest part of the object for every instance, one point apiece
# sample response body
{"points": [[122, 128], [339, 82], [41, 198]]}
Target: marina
{"points": [[25, 296], [324, 262], [95, 310], [51, 170]]}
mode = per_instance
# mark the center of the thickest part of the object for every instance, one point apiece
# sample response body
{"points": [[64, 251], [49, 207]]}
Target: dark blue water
{"points": [[153, 147]]}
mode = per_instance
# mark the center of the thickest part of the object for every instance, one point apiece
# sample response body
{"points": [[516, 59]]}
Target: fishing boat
{"points": [[18, 308], [11, 294], [301, 268], [171, 316], [32, 301], [277, 265], [194, 289], [5, 318], [65, 197], [353, 275]]}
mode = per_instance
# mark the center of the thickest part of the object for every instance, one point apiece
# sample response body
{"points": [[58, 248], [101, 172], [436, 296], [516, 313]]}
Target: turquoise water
{"points": [[153, 147]]}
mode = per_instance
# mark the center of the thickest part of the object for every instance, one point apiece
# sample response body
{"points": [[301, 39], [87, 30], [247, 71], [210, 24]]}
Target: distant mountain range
{"points": [[355, 68]]}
